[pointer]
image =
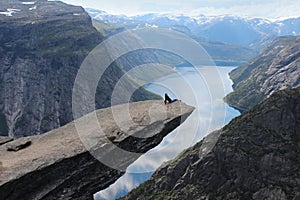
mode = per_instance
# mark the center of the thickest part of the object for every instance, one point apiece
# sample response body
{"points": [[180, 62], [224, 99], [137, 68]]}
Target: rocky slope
{"points": [[277, 67], [42, 45], [57, 165], [256, 156]]}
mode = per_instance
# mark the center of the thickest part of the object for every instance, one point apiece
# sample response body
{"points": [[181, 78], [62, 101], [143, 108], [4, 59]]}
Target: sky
{"points": [[270, 9]]}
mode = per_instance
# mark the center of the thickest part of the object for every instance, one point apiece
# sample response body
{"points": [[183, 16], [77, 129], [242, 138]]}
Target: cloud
{"points": [[151, 7], [266, 9], [252, 8]]}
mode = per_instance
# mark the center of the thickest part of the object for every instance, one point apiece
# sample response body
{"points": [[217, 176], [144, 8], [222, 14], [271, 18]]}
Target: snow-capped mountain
{"points": [[229, 29]]}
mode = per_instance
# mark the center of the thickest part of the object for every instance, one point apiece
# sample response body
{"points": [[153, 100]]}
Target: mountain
{"points": [[42, 46], [256, 156], [64, 164], [222, 53], [277, 67], [250, 32]]}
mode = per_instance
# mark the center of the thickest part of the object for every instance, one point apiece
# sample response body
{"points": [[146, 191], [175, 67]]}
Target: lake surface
{"points": [[191, 86]]}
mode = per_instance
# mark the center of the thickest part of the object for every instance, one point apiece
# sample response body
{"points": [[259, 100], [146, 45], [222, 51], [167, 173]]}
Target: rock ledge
{"points": [[58, 166]]}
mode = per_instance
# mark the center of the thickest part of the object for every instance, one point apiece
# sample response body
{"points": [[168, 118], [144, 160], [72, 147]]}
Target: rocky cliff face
{"points": [[42, 45], [57, 165], [256, 156], [277, 67]]}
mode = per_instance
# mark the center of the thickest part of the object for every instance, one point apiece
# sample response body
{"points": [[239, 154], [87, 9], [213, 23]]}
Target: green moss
{"points": [[111, 138]]}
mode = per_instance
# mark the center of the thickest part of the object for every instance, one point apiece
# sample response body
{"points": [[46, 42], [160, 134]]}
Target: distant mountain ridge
{"points": [[229, 29], [222, 53], [277, 67]]}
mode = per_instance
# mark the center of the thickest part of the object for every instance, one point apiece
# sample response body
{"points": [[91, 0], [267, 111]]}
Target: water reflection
{"points": [[210, 114]]}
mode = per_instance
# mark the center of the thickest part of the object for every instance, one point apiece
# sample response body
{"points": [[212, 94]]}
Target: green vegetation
{"points": [[141, 94], [111, 138], [106, 29], [143, 74], [168, 58]]}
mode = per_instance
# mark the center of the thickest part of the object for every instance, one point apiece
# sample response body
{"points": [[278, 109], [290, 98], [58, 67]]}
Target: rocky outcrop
{"points": [[18, 145], [256, 156], [58, 165], [277, 67], [42, 45]]}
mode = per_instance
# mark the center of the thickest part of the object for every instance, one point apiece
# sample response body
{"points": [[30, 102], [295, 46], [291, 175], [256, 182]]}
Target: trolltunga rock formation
{"points": [[59, 165]]}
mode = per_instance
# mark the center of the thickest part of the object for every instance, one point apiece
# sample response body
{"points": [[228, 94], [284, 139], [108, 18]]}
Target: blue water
{"points": [[194, 87]]}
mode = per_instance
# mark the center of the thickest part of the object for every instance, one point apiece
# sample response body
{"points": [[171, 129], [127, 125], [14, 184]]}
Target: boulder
{"points": [[18, 144]]}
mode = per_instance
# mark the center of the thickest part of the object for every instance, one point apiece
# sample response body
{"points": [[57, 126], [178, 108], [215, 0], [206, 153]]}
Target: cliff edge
{"points": [[57, 165]]}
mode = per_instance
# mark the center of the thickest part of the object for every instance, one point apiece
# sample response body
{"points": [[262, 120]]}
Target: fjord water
{"points": [[209, 115]]}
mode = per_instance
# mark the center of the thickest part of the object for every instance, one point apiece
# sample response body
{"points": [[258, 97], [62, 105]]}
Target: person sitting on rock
{"points": [[168, 99]]}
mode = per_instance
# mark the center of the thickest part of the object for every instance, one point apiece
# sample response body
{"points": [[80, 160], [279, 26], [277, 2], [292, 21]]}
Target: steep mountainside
{"points": [[276, 67], [256, 156], [42, 45]]}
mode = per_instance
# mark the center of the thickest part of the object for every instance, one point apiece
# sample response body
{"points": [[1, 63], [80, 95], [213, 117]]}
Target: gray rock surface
{"points": [[277, 67], [4, 140], [42, 46], [57, 165], [256, 156]]}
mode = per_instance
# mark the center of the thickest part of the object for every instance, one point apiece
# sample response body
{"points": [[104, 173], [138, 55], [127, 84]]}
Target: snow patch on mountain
{"points": [[9, 12], [28, 2], [239, 30]]}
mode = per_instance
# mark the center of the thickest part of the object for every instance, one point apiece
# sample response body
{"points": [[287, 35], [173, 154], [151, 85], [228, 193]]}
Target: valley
{"points": [[82, 112]]}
